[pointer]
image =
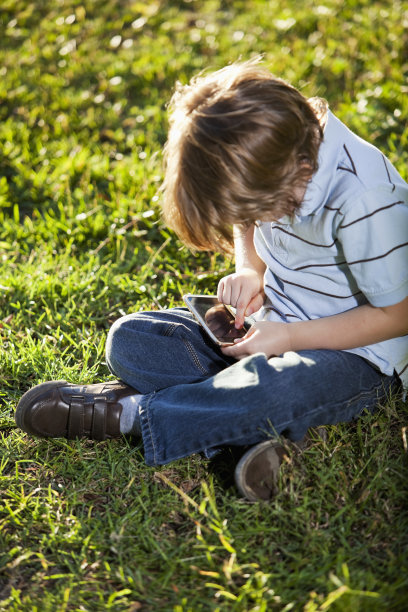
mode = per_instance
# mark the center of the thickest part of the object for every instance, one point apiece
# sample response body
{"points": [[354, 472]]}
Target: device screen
{"points": [[216, 316]]}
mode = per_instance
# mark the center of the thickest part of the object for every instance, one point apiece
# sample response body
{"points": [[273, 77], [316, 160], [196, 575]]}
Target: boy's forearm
{"points": [[360, 326], [245, 253]]}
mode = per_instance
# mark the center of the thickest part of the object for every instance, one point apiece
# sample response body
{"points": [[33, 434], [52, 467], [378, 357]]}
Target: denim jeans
{"points": [[197, 400]]}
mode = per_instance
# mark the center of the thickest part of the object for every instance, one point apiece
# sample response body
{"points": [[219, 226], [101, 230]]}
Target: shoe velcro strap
{"points": [[98, 431], [76, 418]]}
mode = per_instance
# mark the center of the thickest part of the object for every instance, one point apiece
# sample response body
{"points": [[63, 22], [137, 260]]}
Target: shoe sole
{"points": [[29, 398], [245, 461]]}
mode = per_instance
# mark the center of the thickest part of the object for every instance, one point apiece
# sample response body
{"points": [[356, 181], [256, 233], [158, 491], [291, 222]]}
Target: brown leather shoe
{"points": [[59, 409], [256, 473]]}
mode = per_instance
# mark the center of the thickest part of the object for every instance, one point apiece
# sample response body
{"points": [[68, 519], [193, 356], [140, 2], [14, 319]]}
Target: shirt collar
{"points": [[319, 186]]}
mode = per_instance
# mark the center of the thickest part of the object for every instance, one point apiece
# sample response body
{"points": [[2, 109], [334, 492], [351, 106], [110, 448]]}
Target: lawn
{"points": [[87, 526]]}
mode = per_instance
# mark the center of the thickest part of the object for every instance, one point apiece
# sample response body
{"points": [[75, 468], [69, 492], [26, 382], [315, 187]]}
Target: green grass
{"points": [[87, 526]]}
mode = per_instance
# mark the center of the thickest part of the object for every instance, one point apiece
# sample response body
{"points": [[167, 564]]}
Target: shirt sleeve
{"points": [[373, 232]]}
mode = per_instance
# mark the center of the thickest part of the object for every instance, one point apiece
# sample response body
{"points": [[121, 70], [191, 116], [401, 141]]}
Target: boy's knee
{"points": [[115, 342], [126, 339]]}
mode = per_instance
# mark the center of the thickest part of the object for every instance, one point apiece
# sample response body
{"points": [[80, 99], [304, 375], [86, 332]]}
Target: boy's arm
{"points": [[244, 288], [245, 253], [360, 326]]}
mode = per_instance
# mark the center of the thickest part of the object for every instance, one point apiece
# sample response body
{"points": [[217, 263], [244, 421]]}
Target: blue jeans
{"points": [[197, 400]]}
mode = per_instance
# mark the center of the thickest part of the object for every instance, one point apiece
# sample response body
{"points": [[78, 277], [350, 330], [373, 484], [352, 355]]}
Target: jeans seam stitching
{"points": [[170, 329], [190, 348], [361, 394], [148, 423], [194, 356]]}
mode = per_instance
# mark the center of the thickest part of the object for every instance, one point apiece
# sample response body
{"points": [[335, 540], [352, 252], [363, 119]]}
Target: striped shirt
{"points": [[346, 246]]}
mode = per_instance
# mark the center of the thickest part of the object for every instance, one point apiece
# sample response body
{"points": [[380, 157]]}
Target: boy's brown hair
{"points": [[240, 145]]}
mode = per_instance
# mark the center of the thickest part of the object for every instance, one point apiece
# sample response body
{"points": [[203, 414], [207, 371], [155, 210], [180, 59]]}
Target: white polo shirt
{"points": [[347, 245]]}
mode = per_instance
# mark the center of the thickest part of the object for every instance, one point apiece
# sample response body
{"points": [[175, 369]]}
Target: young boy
{"points": [[319, 222]]}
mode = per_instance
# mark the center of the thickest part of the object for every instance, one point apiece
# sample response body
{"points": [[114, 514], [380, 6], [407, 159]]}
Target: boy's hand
{"points": [[265, 337], [360, 326], [244, 291]]}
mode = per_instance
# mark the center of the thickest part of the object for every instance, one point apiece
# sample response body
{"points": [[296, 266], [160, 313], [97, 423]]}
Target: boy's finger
{"points": [[239, 320], [240, 314], [234, 350], [220, 290], [229, 349], [255, 304], [226, 294]]}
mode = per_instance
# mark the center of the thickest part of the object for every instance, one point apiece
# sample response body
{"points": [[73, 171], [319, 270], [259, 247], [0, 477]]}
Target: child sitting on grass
{"points": [[318, 219]]}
